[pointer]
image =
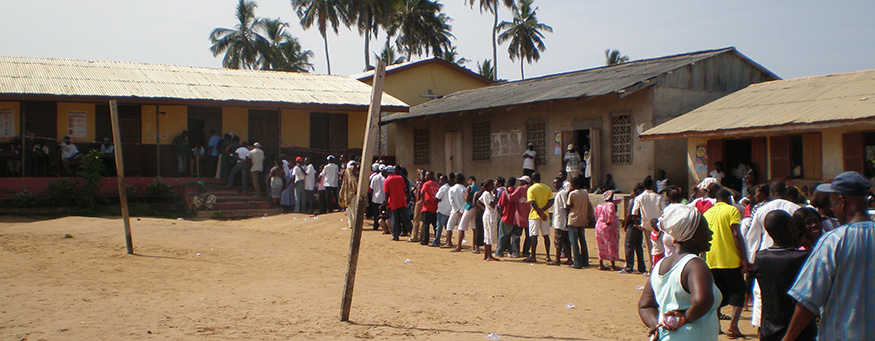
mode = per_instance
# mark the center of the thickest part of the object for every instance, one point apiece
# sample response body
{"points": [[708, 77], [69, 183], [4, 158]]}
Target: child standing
{"points": [[487, 203]]}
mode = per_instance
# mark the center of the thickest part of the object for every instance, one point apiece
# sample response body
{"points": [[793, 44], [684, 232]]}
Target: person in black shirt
{"points": [[775, 269]]}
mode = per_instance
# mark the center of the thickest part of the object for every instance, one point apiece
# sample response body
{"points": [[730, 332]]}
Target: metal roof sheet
{"points": [[586, 83], [73, 77], [799, 101]]}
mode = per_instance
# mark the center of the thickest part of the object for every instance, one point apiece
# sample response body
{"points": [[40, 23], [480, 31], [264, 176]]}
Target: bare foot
{"points": [[493, 259], [446, 246], [458, 249]]}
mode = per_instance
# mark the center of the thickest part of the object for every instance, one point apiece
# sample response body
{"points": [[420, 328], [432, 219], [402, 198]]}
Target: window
{"points": [[621, 137], [536, 133], [420, 146], [481, 141]]}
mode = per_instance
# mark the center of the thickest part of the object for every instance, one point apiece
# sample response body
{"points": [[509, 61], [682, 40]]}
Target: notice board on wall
{"points": [[7, 123], [76, 124]]}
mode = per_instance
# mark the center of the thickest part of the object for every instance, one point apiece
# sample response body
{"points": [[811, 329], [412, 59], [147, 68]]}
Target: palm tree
{"points": [[282, 52], [322, 13], [369, 17], [240, 44], [389, 57], [485, 69], [421, 28], [452, 56], [613, 57], [492, 7], [524, 34]]}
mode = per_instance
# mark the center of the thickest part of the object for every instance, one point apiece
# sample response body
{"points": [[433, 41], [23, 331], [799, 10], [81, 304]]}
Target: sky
{"points": [[790, 38]]}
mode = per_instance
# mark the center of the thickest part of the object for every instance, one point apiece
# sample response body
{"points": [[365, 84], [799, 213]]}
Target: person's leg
{"points": [[256, 182], [428, 219], [406, 225], [559, 242], [375, 212], [639, 251], [232, 175], [417, 223], [544, 230], [630, 249], [396, 223], [451, 225], [479, 235], [648, 247], [244, 177], [532, 232], [515, 235], [323, 200], [460, 241], [527, 242], [500, 242], [334, 199], [439, 228], [573, 233], [299, 196]]}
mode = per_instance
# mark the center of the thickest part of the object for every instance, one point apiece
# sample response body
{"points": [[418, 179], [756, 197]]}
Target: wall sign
{"points": [[7, 123], [77, 125]]}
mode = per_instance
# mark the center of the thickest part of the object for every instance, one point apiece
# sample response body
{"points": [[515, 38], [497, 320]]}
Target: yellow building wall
{"points": [[168, 125], [356, 126], [16, 111], [88, 108], [236, 120], [295, 127]]}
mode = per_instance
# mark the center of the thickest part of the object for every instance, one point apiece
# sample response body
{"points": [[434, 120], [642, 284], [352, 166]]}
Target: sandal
{"points": [[733, 335], [724, 317]]}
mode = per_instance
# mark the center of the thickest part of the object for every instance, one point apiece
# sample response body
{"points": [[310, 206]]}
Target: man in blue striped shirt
{"points": [[838, 280]]}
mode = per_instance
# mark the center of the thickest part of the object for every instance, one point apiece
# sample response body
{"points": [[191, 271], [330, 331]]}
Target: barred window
{"points": [[420, 146], [536, 133], [480, 145], [621, 137]]}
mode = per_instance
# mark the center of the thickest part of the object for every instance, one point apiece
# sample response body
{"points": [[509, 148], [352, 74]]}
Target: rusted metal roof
{"points": [[365, 76], [88, 78], [621, 79], [807, 103]]}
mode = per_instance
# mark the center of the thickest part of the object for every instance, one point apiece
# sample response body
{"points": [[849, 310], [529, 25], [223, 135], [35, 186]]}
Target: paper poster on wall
{"points": [[701, 158], [506, 143], [76, 124], [7, 125], [557, 143]]}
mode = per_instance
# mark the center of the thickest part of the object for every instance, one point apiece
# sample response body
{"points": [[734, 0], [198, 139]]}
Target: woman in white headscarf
{"points": [[680, 300]]}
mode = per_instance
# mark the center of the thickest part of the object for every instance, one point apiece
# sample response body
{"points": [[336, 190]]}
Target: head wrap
{"points": [[609, 196], [706, 182], [679, 221]]}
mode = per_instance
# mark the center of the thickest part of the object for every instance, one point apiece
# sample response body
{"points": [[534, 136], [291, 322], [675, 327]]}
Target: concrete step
{"points": [[238, 213]]}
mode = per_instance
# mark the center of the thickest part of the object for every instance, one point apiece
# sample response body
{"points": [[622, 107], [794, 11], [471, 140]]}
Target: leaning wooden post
{"points": [[120, 174], [355, 240]]}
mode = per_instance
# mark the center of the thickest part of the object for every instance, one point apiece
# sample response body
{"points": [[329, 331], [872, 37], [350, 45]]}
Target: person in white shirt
{"points": [[661, 181], [560, 220], [717, 173], [649, 206], [241, 167], [457, 202], [444, 210], [69, 154], [378, 197], [757, 238], [256, 159], [309, 185], [572, 162], [330, 174], [529, 159], [299, 174]]}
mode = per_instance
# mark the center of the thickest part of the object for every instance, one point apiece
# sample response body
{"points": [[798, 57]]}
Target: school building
{"points": [[484, 131], [291, 113], [419, 82], [806, 130]]}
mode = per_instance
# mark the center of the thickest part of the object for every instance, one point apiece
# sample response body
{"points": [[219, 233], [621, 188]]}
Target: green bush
{"points": [[159, 191], [26, 199], [91, 171], [62, 192]]}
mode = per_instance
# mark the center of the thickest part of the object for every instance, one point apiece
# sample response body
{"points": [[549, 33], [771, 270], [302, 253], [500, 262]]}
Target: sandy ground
{"points": [[281, 278]]}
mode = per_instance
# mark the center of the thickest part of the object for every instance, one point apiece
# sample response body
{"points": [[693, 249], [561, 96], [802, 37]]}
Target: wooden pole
{"points": [[355, 240], [120, 174]]}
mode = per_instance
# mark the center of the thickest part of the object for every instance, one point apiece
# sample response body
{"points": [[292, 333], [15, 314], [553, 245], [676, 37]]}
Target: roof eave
{"points": [[748, 131]]}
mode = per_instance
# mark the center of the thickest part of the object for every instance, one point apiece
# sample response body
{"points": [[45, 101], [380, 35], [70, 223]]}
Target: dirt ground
{"points": [[281, 277]]}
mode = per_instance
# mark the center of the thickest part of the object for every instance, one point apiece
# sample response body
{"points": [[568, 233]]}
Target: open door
{"points": [[595, 158], [453, 152]]}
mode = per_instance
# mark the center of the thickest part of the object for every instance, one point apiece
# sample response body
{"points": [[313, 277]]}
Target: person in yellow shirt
{"points": [[725, 257], [540, 197]]}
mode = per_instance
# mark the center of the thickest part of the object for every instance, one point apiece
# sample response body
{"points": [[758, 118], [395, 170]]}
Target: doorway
{"points": [[453, 152], [585, 140], [264, 129], [737, 158]]}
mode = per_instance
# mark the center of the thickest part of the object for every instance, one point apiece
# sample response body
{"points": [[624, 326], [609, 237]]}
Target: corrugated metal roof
{"points": [[365, 76], [72, 77], [585, 83], [800, 101]]}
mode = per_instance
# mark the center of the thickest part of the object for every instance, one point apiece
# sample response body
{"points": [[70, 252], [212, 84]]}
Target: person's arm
{"points": [[696, 279], [740, 246], [549, 204], [477, 203], [648, 309], [801, 318]]}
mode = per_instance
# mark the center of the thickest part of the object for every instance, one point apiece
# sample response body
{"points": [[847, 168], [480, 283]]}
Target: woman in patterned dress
{"points": [[607, 231]]}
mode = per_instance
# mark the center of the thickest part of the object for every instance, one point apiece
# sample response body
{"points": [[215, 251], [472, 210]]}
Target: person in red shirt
{"points": [[509, 241], [396, 200], [521, 221], [428, 191]]}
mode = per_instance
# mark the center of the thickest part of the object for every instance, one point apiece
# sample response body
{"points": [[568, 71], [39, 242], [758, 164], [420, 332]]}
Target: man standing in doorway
{"points": [[572, 162], [180, 148], [529, 159], [256, 158], [213, 159]]}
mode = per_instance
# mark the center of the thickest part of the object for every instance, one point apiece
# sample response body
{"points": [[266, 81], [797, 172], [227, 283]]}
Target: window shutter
{"points": [[852, 150], [715, 153], [779, 150], [812, 161], [759, 156]]}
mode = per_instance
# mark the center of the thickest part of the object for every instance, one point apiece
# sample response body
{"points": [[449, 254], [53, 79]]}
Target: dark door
{"points": [[329, 132], [129, 121], [264, 129], [200, 121]]}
